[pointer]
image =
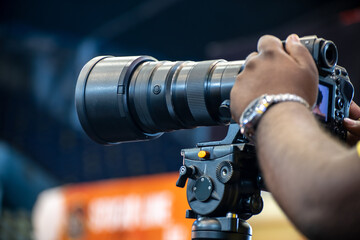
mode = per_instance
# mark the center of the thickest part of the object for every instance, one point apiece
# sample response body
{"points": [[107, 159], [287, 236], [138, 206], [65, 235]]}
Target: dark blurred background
{"points": [[44, 44]]}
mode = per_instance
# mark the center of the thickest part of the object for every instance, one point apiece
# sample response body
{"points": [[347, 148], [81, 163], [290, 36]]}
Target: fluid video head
{"points": [[123, 99]]}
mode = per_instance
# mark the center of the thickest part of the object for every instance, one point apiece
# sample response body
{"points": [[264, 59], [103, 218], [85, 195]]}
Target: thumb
{"points": [[354, 112], [299, 52], [352, 126]]}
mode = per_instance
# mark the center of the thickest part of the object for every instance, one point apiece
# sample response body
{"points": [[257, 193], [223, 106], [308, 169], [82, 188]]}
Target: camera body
{"points": [[334, 98]]}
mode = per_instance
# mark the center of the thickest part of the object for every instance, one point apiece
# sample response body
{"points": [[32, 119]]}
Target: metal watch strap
{"points": [[287, 97], [264, 102]]}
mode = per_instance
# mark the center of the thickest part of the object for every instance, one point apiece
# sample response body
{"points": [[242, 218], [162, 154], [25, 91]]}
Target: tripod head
{"points": [[223, 186]]}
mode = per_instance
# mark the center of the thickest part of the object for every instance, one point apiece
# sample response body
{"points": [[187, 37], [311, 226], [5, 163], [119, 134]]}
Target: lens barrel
{"points": [[122, 99]]}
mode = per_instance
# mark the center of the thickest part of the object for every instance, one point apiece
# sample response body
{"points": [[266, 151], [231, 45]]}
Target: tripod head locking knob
{"points": [[184, 173]]}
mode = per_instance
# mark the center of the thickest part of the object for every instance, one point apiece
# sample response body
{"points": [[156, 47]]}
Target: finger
{"points": [[354, 112], [269, 43], [250, 56], [299, 52], [352, 126], [247, 63]]}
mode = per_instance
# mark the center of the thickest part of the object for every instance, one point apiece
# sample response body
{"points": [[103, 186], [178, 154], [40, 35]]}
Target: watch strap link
{"points": [[260, 106]]}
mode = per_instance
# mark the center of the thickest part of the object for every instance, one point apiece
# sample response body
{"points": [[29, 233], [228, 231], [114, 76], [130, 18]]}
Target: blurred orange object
{"points": [[150, 207], [146, 208]]}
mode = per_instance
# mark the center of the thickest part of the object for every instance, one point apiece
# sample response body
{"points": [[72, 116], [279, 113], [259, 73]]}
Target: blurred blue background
{"points": [[44, 44]]}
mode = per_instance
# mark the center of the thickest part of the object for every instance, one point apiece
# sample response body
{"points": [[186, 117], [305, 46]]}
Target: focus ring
{"points": [[196, 89]]}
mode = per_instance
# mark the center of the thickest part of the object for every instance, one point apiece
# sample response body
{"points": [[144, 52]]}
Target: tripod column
{"points": [[221, 228]]}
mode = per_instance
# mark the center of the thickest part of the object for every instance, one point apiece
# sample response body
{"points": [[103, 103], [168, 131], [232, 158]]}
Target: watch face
{"points": [[249, 117], [250, 111]]}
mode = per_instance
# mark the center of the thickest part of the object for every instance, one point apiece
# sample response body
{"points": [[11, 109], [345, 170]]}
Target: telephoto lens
{"points": [[125, 99]]}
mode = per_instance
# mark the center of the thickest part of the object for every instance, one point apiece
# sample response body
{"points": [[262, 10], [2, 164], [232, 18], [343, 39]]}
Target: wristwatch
{"points": [[252, 114]]}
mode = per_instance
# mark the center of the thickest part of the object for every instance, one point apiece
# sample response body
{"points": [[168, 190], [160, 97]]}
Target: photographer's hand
{"points": [[314, 178], [352, 124], [272, 70]]}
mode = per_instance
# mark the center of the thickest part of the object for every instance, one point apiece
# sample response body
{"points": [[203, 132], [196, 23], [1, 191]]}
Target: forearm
{"points": [[296, 158]]}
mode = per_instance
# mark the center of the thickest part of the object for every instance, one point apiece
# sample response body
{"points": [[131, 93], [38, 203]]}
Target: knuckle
{"points": [[266, 38], [269, 53], [251, 56], [267, 41], [250, 64], [250, 61]]}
